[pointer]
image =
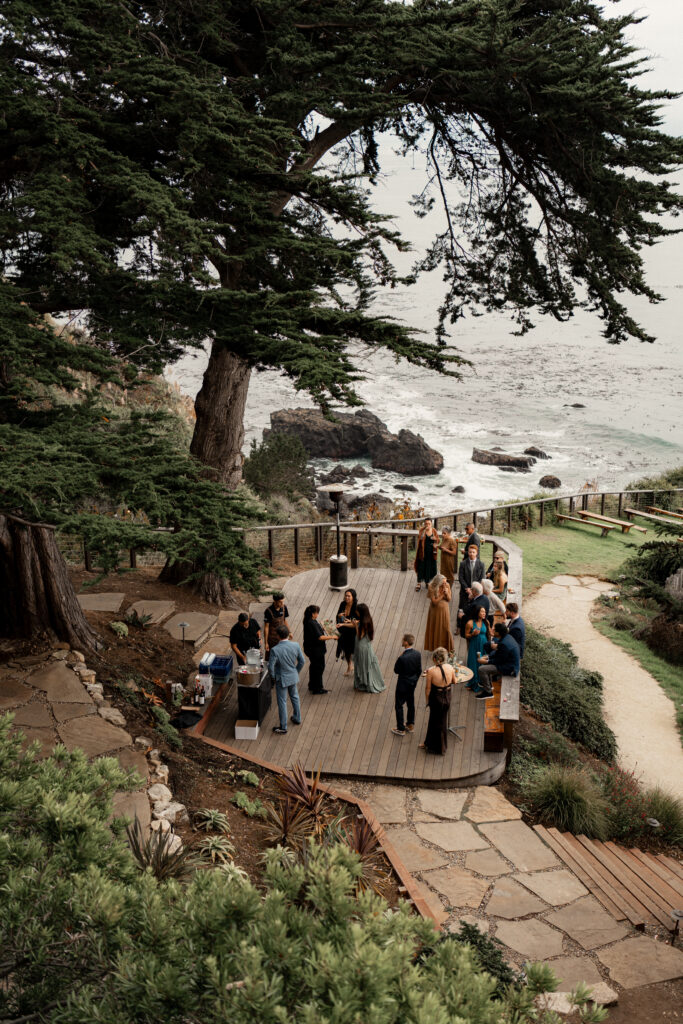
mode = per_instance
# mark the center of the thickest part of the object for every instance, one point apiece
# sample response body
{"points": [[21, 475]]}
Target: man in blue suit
{"points": [[502, 661], [408, 668], [516, 627]]}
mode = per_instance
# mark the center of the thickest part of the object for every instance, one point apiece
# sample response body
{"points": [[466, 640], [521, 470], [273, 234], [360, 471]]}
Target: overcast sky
{"points": [[660, 36]]}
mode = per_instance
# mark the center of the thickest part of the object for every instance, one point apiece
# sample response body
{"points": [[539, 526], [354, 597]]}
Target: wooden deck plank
{"points": [[641, 882], [346, 732]]}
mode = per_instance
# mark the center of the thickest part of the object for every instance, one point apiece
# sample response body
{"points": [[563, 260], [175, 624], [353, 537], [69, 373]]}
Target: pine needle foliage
{"points": [[87, 937]]}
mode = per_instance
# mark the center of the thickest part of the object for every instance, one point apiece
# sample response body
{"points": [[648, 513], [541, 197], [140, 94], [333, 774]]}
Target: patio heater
{"points": [[339, 564]]}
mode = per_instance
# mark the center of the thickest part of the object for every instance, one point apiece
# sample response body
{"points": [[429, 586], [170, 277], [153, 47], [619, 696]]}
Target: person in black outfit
{"points": [[471, 570], [275, 615], [516, 627], [502, 661], [245, 634], [314, 648], [408, 668], [471, 609]]}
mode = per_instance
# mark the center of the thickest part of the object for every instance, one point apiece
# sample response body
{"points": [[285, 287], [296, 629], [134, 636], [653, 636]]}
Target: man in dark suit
{"points": [[516, 627], [408, 667], [479, 600], [471, 570], [472, 537], [502, 661]]}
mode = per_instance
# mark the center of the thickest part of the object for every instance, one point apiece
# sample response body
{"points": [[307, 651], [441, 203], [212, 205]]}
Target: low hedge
{"points": [[557, 690]]}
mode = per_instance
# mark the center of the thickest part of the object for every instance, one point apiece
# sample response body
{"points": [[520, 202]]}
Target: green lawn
{"points": [[667, 675], [575, 550]]}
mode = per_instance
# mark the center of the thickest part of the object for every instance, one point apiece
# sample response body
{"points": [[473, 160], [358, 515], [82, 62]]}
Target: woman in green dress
{"points": [[366, 671]]}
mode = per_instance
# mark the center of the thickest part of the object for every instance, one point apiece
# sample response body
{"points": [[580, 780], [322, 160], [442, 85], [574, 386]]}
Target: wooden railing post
{"points": [[493, 520], [404, 554], [369, 544], [602, 503], [133, 558], [509, 520], [541, 513], [354, 551], [86, 558], [270, 546], [621, 501], [296, 545]]}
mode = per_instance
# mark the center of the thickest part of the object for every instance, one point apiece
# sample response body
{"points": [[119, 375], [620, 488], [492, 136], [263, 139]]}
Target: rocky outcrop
{"points": [[550, 481], [520, 463], [342, 473], [358, 434], [537, 453]]}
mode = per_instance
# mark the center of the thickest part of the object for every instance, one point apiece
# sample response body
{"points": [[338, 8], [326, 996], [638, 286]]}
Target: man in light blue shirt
{"points": [[285, 662]]}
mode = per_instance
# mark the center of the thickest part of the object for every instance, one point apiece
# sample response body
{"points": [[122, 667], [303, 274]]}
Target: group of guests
{"points": [[492, 649]]}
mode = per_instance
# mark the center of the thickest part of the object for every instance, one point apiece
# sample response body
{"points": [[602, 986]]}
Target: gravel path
{"points": [[636, 708]]}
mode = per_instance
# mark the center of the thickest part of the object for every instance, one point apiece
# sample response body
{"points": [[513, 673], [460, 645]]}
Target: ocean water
{"points": [[518, 391]]}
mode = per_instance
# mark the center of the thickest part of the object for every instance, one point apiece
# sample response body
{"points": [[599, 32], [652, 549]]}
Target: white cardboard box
{"points": [[246, 729]]}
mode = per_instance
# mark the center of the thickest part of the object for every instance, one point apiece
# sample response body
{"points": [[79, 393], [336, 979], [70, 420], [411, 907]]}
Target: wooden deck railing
{"points": [[382, 541]]}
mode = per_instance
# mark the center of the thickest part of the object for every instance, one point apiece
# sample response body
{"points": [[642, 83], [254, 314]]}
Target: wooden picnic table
{"points": [[625, 525], [653, 519], [663, 511]]}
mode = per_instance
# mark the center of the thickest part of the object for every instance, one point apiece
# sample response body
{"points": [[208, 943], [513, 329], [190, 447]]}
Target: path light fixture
{"points": [[339, 565], [653, 823], [183, 626], [677, 916]]}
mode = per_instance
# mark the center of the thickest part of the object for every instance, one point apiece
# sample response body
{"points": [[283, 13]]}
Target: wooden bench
{"points": [[509, 709], [586, 522], [625, 526], [653, 519], [663, 511], [494, 730]]}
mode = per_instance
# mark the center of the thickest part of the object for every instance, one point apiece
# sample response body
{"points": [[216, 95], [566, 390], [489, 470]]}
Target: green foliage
{"points": [[252, 808], [133, 618], [250, 778], [86, 936], [569, 800], [120, 628], [279, 465], [489, 954], [164, 727], [287, 824], [208, 819], [217, 849], [668, 811], [558, 691], [154, 853], [653, 564]]}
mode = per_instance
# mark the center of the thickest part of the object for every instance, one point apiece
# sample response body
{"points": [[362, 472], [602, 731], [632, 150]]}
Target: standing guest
{"points": [[347, 619], [366, 671], [471, 571], [516, 627], [285, 663], [477, 633], [244, 635], [425, 555], [275, 615], [502, 661], [438, 681], [471, 609], [408, 668], [438, 631], [472, 537], [314, 648], [449, 551]]}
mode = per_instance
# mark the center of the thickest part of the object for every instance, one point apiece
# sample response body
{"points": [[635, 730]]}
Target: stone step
{"points": [[199, 626], [107, 601], [158, 610]]}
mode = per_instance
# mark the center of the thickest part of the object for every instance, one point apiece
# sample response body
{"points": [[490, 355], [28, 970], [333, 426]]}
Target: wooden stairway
{"points": [[632, 886]]}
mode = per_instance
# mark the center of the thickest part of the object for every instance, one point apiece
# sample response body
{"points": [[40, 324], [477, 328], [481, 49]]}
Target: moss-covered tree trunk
{"points": [[210, 587], [36, 595], [220, 404]]}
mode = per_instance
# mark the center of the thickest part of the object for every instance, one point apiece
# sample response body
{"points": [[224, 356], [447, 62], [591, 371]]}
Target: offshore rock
{"points": [[550, 481], [493, 458], [537, 453], [358, 434]]}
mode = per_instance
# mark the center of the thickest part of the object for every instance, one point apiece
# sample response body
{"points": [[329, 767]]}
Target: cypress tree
{"points": [[161, 170]]}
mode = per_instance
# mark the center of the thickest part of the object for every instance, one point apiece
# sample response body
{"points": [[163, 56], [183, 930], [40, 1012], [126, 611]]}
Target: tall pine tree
{"points": [[161, 171]]}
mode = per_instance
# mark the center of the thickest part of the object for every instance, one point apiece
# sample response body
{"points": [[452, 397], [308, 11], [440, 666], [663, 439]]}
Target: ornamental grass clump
{"points": [[568, 799], [668, 811], [627, 811]]}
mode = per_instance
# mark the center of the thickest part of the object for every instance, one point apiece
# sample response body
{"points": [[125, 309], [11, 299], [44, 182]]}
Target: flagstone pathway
{"points": [[637, 710], [477, 861]]}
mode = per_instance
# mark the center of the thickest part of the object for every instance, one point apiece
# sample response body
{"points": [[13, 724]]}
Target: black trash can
{"points": [[339, 572]]}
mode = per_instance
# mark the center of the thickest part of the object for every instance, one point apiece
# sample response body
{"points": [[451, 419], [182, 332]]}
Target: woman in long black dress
{"points": [[425, 555], [314, 648], [347, 617], [439, 680]]}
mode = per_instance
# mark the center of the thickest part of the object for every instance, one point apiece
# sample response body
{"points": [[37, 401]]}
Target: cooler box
{"points": [[220, 667]]}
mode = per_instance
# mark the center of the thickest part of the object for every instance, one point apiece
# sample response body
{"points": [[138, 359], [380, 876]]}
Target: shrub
{"points": [[164, 727], [217, 849], [208, 819], [558, 691], [626, 806], [156, 854], [489, 954], [252, 808], [279, 465], [569, 800], [668, 810], [552, 747]]}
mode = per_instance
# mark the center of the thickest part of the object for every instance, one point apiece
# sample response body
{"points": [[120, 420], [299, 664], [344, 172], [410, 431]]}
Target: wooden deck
{"points": [[348, 733]]}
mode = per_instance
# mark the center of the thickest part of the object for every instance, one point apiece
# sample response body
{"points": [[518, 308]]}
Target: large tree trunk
{"points": [[209, 587], [36, 595], [219, 431]]}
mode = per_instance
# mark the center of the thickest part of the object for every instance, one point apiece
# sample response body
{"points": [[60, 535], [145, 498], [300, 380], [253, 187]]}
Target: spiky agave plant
{"points": [[357, 834], [209, 819], [217, 849], [156, 853]]}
